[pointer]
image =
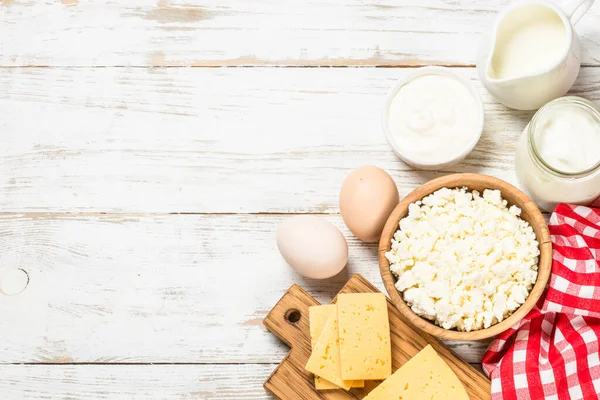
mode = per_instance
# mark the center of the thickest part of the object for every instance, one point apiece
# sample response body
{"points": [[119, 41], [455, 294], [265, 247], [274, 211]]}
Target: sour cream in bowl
{"points": [[432, 118]]}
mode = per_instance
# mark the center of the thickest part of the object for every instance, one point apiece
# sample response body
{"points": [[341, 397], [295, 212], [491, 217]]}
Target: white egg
{"points": [[313, 246]]}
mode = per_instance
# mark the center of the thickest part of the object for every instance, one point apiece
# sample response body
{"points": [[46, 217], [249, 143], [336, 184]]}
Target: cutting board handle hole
{"points": [[292, 315]]}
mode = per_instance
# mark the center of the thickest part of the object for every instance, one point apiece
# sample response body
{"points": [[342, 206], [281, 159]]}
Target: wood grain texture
{"points": [[230, 140], [529, 212], [80, 142], [143, 288], [134, 382], [291, 380], [260, 32]]}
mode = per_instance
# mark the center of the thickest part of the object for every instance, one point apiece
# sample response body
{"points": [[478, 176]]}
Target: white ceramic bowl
{"points": [[392, 140]]}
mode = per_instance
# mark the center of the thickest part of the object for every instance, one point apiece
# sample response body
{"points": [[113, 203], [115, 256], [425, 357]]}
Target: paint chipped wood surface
{"points": [[133, 196], [150, 288], [126, 382], [277, 140], [258, 32], [109, 382]]}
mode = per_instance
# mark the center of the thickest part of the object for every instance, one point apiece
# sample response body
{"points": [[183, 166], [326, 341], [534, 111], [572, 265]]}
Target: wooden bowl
{"points": [[514, 196]]}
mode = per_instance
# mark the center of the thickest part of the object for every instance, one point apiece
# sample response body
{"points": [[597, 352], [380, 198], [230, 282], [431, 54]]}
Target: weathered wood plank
{"points": [[259, 32], [177, 288], [185, 382], [131, 382], [212, 140]]}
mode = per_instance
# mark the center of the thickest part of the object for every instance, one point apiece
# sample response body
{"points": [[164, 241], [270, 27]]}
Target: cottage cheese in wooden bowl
{"points": [[462, 255]]}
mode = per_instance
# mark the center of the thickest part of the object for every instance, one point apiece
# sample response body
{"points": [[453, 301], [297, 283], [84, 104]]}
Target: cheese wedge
{"points": [[325, 358], [425, 376], [318, 316], [364, 328]]}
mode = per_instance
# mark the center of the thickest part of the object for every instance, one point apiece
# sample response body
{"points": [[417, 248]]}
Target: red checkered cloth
{"points": [[553, 352]]}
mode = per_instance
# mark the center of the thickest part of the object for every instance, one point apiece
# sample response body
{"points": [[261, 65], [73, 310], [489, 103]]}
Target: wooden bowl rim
{"points": [[509, 193]]}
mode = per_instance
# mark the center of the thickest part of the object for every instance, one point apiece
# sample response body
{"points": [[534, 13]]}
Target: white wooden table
{"points": [[141, 183]]}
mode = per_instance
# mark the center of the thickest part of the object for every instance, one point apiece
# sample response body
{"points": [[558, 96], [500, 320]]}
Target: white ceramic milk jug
{"points": [[532, 55]]}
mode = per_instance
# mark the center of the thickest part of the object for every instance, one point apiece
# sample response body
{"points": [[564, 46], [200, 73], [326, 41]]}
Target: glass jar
{"points": [[546, 184]]}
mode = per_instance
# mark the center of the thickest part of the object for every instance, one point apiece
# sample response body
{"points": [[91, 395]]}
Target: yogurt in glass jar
{"points": [[558, 155]]}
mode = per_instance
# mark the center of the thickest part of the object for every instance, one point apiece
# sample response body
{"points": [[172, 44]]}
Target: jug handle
{"points": [[575, 9]]}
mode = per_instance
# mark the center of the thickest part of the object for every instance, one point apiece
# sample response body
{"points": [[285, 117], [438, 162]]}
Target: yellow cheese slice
{"points": [[365, 347], [325, 358], [318, 316], [425, 376]]}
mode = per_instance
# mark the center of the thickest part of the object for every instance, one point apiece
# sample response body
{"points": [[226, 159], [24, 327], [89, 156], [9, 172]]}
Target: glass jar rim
{"points": [[589, 106]]}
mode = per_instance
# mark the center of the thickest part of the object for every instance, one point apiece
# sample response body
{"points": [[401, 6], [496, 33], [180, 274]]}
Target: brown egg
{"points": [[367, 199]]}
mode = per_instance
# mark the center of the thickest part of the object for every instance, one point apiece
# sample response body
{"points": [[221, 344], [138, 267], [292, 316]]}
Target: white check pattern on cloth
{"points": [[553, 352]]}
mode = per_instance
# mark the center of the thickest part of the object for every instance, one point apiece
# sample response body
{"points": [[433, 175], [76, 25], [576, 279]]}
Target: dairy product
{"points": [[318, 316], [529, 40], [324, 360], [568, 139], [425, 376], [433, 119], [464, 260], [558, 155], [364, 336]]}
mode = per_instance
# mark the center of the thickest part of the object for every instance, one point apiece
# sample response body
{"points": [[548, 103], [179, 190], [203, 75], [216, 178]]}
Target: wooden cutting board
{"points": [[288, 320]]}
